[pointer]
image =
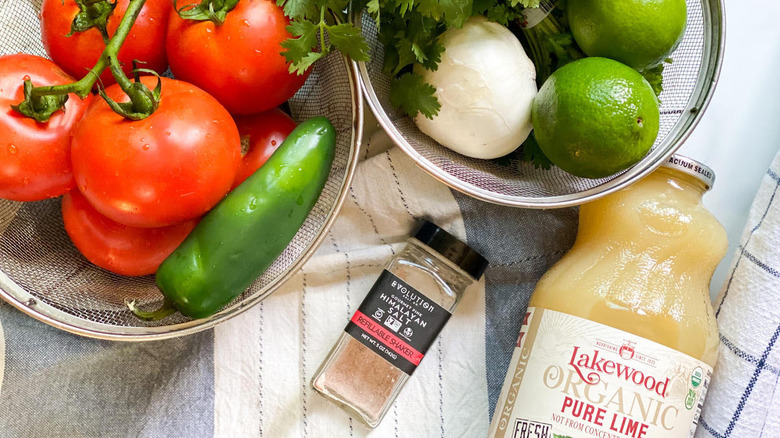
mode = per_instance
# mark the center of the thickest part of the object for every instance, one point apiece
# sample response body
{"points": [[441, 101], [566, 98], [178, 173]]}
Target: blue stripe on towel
{"points": [[87, 388], [760, 367], [745, 356], [514, 270]]}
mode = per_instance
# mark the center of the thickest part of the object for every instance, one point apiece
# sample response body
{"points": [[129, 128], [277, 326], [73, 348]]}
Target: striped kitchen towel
{"points": [[250, 377], [743, 398]]}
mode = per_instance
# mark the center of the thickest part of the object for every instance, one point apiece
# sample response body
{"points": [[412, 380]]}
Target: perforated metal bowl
{"points": [[688, 86], [44, 276]]}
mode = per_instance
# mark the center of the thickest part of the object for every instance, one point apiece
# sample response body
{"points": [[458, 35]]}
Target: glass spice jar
{"points": [[397, 322]]}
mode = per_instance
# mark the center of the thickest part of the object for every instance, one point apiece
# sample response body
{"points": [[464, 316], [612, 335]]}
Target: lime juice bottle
{"points": [[620, 338]]}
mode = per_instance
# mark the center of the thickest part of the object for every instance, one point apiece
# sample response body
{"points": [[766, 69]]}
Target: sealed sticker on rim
{"points": [[534, 16]]}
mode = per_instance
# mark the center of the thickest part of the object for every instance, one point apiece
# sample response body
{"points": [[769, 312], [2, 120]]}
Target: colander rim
{"points": [[712, 59]]}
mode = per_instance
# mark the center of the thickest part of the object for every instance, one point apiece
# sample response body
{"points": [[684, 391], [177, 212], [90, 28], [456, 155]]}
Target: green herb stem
{"points": [[322, 28], [83, 87], [551, 46]]}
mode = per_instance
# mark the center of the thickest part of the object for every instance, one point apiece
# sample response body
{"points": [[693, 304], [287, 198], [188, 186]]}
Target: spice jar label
{"points": [[397, 322]]}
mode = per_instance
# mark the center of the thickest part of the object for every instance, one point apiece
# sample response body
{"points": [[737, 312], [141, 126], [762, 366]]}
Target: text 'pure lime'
{"points": [[595, 117]]}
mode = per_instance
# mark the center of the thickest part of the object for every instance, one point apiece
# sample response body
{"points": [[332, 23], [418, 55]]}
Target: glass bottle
{"points": [[397, 322], [620, 335]]}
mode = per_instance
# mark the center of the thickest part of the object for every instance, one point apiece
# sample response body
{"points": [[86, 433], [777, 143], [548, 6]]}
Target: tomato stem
{"points": [[143, 101], [207, 10], [82, 88], [93, 14], [42, 108]]}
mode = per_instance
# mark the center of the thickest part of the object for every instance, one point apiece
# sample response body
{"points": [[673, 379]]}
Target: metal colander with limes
{"points": [[563, 31]]}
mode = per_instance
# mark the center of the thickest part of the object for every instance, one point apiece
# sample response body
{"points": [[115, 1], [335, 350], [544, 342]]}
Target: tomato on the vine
{"points": [[34, 157], [261, 134], [78, 53], [239, 61], [170, 167], [115, 247]]}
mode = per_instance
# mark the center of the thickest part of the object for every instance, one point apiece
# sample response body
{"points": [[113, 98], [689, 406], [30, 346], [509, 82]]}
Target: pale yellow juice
{"points": [[642, 263]]}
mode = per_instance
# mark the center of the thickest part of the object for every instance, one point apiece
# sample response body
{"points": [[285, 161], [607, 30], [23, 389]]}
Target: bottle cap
{"points": [[693, 168], [452, 249]]}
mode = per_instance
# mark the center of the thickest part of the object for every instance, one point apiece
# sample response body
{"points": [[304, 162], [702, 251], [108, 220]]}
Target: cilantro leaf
{"points": [[299, 50], [404, 6], [373, 8], [655, 76], [430, 8], [503, 11], [349, 41], [303, 41], [403, 56], [307, 42], [338, 5], [299, 9], [525, 3], [412, 95], [304, 63], [456, 12]]}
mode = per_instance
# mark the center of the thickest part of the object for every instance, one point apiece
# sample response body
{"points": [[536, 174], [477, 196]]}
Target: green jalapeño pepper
{"points": [[237, 240]]}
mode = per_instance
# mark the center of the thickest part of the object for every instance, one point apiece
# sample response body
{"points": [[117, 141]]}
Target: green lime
{"points": [[595, 117], [638, 33]]}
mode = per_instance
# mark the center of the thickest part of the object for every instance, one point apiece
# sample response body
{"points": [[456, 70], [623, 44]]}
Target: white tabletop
{"points": [[740, 132]]}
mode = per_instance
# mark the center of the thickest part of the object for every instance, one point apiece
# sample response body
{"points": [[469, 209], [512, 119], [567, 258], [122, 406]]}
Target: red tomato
{"points": [[118, 248], [263, 134], [239, 62], [79, 52], [34, 157], [168, 168]]}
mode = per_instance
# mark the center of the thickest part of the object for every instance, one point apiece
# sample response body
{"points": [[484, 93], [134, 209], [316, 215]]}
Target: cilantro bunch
{"points": [[409, 31], [314, 34]]}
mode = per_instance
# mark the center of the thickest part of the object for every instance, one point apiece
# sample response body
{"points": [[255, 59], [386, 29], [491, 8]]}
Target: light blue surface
{"points": [[740, 132]]}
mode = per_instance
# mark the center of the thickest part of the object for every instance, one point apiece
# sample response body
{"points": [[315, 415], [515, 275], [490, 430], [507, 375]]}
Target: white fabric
{"points": [[743, 398], [263, 388], [739, 134]]}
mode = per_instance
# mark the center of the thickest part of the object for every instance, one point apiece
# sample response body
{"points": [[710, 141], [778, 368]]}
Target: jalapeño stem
{"points": [[165, 310]]}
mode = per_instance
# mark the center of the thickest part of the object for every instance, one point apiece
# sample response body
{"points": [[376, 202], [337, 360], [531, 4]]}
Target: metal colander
{"points": [[688, 85], [43, 275]]}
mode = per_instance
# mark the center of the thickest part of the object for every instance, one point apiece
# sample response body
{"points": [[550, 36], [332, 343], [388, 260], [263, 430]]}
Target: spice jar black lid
{"points": [[452, 249]]}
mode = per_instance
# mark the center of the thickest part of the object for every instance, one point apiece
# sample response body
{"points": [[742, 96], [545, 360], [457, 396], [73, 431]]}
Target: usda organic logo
{"points": [[696, 377]]}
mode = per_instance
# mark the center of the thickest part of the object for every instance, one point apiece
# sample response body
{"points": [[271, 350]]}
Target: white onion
{"points": [[486, 85]]}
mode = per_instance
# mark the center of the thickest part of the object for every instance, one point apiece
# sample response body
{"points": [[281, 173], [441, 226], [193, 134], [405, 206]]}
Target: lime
{"points": [[638, 33], [595, 117]]}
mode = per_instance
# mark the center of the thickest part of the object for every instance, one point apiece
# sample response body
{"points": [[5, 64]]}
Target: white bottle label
{"points": [[570, 377]]}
